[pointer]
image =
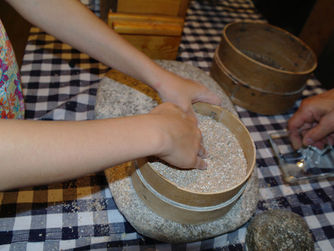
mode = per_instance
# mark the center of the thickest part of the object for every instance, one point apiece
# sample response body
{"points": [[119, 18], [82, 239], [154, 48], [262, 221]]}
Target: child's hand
{"points": [[180, 144], [184, 92]]}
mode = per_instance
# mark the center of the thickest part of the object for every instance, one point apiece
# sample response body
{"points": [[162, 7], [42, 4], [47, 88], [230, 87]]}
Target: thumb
{"points": [[209, 97], [324, 128]]}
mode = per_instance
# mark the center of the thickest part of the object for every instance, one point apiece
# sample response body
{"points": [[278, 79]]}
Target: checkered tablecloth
{"points": [[60, 84]]}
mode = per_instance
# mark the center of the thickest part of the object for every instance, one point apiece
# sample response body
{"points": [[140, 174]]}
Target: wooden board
{"points": [[156, 36], [156, 7], [145, 24], [156, 47]]}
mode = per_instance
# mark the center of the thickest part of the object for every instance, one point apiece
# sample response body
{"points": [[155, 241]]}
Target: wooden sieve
{"points": [[184, 206]]}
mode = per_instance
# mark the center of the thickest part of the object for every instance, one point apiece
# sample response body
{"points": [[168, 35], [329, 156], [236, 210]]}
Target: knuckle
{"points": [[306, 105]]}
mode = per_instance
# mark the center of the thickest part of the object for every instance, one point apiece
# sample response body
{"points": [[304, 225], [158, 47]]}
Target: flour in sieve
{"points": [[226, 162]]}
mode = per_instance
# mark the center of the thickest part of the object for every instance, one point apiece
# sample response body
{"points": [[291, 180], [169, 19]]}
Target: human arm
{"points": [[313, 123], [42, 152], [73, 23]]}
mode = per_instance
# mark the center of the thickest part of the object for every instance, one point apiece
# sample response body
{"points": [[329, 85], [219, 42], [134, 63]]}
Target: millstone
{"points": [[115, 99]]}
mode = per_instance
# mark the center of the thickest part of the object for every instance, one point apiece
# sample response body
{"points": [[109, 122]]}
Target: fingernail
{"points": [[203, 166]]}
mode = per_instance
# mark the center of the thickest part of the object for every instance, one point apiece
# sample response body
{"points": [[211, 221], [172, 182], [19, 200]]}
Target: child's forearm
{"points": [[73, 23], [41, 152]]}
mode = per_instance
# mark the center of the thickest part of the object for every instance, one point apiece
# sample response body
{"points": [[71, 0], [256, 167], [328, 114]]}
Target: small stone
{"points": [[277, 230]]}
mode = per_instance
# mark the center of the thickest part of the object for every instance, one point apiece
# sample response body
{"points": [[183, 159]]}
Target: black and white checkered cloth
{"points": [[60, 83]]}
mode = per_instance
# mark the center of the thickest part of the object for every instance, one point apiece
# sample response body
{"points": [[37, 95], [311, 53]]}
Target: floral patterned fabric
{"points": [[11, 98]]}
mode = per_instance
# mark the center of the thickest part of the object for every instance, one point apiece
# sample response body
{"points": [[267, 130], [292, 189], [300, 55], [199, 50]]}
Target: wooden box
{"points": [[153, 27], [156, 7], [157, 36]]}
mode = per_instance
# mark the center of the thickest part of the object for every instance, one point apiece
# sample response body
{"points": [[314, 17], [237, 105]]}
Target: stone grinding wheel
{"points": [[116, 99]]}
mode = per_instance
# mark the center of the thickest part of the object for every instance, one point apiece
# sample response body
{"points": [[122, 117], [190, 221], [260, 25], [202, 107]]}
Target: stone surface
{"points": [[278, 230], [115, 99], [152, 225]]}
